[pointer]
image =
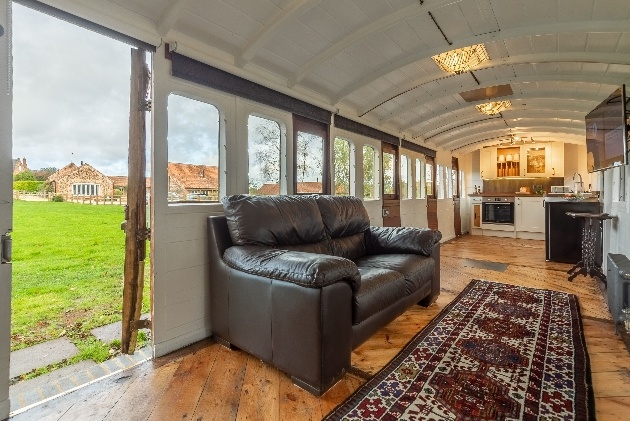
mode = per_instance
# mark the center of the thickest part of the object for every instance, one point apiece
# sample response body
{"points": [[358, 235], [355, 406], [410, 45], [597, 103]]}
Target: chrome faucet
{"points": [[579, 184]]}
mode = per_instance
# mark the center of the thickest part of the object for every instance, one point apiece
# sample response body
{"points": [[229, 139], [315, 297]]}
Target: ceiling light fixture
{"points": [[461, 60], [492, 108]]}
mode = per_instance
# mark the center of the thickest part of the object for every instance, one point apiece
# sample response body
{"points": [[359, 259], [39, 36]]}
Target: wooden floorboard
{"points": [[209, 382]]}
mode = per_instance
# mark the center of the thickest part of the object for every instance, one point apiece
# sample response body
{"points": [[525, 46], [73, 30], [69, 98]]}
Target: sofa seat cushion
{"points": [[379, 289], [416, 269]]}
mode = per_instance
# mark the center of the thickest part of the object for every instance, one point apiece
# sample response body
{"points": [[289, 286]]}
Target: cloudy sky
{"points": [[71, 94]]}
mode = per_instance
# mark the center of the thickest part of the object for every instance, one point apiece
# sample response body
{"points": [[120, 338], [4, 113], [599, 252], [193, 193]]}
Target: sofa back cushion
{"points": [[346, 221], [273, 220]]}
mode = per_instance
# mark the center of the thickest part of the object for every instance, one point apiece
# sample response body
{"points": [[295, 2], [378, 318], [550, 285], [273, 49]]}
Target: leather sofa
{"points": [[300, 281]]}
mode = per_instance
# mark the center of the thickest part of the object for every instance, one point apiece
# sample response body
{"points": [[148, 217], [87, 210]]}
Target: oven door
{"points": [[498, 213]]}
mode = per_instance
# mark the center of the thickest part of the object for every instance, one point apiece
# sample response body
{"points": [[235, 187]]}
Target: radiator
{"points": [[618, 284]]}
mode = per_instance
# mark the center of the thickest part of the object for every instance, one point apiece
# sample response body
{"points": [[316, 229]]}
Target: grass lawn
{"points": [[68, 263]]}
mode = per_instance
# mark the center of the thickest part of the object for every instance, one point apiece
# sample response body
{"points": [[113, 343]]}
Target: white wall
{"points": [[616, 203], [446, 209], [6, 210]]}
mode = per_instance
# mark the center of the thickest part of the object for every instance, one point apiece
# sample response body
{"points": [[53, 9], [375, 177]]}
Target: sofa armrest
{"points": [[309, 270], [383, 240]]}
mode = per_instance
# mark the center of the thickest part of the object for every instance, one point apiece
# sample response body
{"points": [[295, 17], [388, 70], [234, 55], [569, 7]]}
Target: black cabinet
{"points": [[563, 233]]}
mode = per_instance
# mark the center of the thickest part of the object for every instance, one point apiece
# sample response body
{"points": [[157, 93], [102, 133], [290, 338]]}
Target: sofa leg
{"points": [[223, 342], [428, 300]]}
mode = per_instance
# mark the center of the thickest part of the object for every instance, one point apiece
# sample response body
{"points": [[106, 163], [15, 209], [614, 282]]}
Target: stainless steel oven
{"points": [[498, 210]]}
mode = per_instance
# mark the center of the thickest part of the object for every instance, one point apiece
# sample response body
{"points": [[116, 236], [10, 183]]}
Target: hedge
{"points": [[28, 186]]}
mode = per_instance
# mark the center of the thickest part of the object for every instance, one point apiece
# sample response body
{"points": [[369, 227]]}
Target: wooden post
{"points": [[136, 231]]}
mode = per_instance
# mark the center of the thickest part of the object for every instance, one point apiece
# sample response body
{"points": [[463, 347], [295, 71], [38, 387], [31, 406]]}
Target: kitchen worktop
{"points": [[505, 195]]}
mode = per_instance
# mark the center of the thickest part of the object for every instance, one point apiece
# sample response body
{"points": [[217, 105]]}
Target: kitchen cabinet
{"points": [[524, 160], [529, 214], [475, 214], [488, 163]]}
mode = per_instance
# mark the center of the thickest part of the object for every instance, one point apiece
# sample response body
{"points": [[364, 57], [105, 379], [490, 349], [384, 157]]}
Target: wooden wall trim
{"points": [[195, 71]]}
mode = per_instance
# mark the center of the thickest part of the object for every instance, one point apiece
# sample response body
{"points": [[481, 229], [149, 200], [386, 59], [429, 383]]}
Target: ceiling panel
{"points": [[325, 25], [509, 13], [537, 11], [152, 10], [602, 43], [544, 44], [224, 16], [574, 10], [611, 10], [262, 10], [572, 42]]}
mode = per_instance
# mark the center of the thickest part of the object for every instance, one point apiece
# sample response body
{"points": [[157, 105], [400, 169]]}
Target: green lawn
{"points": [[68, 263]]}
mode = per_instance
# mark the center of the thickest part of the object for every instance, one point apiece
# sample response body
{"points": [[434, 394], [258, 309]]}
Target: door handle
{"points": [[6, 248]]}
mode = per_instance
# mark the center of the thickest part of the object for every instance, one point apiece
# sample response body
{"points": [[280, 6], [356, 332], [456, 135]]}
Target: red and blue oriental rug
{"points": [[497, 352]]}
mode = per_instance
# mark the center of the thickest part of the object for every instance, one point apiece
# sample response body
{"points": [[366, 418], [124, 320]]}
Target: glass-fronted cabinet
{"points": [[509, 161]]}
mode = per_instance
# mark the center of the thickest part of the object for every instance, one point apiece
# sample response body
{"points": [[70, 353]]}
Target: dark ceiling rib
{"points": [[438, 27], [475, 77], [457, 127], [403, 93]]}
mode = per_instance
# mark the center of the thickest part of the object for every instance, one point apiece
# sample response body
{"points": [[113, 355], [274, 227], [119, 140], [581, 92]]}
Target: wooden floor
{"points": [[208, 382]]}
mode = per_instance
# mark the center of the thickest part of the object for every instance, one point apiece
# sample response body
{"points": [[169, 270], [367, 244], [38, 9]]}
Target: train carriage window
{"points": [[389, 174], [420, 186], [193, 150], [310, 165], [341, 166], [429, 178], [439, 181], [405, 177], [263, 149], [448, 182], [370, 174]]}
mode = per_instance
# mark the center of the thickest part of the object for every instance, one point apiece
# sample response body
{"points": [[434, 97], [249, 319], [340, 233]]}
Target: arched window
{"points": [[370, 174], [263, 149], [341, 162], [193, 150]]}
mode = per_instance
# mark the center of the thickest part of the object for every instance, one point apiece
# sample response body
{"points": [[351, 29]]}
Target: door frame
{"points": [[6, 201]]}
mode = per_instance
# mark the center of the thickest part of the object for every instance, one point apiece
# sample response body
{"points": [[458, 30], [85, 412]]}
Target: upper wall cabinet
{"points": [[526, 160], [488, 164]]}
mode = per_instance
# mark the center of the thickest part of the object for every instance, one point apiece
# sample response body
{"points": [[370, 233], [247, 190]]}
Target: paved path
{"points": [[29, 392]]}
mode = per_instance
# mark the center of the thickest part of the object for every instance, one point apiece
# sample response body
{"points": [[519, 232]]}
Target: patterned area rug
{"points": [[497, 352]]}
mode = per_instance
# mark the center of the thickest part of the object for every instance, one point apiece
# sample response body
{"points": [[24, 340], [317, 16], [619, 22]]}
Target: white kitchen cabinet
{"points": [[557, 159], [488, 163], [529, 217], [475, 215]]}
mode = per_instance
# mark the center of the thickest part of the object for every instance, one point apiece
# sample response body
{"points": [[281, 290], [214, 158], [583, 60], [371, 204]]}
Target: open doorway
{"points": [[70, 151]]}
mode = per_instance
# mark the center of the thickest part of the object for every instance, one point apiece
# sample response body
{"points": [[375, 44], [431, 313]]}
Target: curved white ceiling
{"points": [[371, 59]]}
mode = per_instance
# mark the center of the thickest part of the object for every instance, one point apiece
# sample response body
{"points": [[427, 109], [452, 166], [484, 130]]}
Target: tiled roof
{"points": [[62, 172], [193, 176], [303, 187], [122, 180]]}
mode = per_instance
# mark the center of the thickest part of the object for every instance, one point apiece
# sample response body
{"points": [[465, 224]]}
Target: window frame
{"points": [[306, 125], [202, 97], [393, 150], [281, 162], [351, 165]]}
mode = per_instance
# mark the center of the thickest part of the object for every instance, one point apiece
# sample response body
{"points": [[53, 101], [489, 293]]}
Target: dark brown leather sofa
{"points": [[300, 281]]}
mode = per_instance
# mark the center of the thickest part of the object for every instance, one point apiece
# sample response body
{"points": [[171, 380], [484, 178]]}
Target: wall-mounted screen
{"points": [[607, 133]]}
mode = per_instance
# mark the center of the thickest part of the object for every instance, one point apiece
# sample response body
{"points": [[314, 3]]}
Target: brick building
{"points": [[190, 179], [83, 180]]}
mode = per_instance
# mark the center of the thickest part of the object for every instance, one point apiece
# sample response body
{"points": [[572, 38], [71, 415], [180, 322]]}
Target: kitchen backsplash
{"points": [[512, 185]]}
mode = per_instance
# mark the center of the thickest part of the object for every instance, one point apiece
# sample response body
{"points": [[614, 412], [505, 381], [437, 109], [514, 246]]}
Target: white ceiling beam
{"points": [[169, 17], [445, 113], [482, 128], [560, 136], [471, 120], [508, 33], [538, 132], [367, 30], [295, 9], [470, 84]]}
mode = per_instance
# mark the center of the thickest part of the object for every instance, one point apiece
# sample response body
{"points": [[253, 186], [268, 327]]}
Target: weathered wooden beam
{"points": [[135, 229]]}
